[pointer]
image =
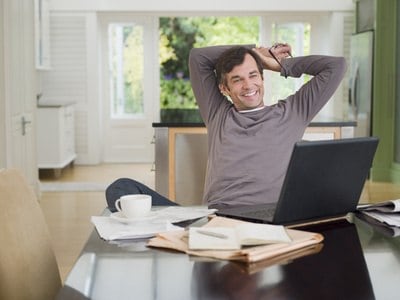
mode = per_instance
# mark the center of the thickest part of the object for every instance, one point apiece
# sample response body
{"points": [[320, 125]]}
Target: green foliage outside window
{"points": [[133, 71], [179, 35], [126, 69]]}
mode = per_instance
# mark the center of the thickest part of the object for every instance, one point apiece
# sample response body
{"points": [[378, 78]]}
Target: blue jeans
{"points": [[125, 186]]}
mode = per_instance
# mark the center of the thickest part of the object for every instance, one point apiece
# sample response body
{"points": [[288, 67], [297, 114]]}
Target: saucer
{"points": [[119, 216]]}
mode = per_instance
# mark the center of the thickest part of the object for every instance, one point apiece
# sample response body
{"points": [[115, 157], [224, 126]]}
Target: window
{"points": [[297, 34], [126, 63], [178, 35]]}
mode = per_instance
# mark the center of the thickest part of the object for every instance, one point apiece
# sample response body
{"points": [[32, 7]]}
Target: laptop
{"points": [[324, 179]]}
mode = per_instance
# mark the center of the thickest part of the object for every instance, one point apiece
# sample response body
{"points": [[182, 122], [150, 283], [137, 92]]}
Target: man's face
{"points": [[244, 85]]}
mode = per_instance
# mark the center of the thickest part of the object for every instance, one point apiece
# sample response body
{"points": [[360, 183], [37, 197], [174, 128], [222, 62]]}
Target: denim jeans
{"points": [[125, 186]]}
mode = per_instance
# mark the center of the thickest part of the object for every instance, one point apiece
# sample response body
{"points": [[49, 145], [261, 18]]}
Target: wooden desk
{"points": [[355, 262]]}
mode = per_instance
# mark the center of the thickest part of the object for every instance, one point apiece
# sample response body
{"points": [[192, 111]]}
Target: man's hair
{"points": [[233, 57]]}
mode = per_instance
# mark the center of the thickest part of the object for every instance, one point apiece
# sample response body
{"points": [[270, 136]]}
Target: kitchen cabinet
{"points": [[56, 136]]}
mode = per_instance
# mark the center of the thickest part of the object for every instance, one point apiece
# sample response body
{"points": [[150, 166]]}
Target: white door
{"points": [[130, 87], [19, 89]]}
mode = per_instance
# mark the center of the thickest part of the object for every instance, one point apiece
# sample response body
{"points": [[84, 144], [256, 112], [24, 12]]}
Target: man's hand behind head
{"points": [[272, 56]]}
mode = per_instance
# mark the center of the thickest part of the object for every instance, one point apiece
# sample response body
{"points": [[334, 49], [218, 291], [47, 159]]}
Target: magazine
{"points": [[386, 212], [383, 228], [390, 206]]}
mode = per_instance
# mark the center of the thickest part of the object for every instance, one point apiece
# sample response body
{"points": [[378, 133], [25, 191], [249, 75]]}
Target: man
{"points": [[249, 143]]}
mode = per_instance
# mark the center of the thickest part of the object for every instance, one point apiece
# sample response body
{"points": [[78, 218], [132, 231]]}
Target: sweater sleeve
{"points": [[327, 72], [202, 63]]}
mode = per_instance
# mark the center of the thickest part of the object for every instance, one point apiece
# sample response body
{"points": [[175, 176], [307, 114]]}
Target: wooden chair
{"points": [[28, 267]]}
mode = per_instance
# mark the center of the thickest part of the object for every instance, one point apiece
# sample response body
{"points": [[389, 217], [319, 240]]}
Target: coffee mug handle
{"points": [[118, 204]]}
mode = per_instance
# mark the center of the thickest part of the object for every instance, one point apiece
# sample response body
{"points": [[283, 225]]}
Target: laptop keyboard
{"points": [[261, 213]]}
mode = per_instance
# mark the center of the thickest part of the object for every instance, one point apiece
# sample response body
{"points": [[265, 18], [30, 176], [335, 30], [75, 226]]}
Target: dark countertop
{"points": [[191, 118], [316, 123]]}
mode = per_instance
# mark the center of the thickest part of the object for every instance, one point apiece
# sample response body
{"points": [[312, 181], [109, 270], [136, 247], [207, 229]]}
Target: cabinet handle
{"points": [[24, 122]]}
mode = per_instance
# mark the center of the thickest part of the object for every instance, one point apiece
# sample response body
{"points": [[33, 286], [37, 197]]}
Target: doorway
{"points": [[130, 76]]}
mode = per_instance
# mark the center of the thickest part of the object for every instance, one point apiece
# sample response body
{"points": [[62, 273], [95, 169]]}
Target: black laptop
{"points": [[324, 179]]}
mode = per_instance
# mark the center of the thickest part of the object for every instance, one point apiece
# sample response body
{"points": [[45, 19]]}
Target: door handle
{"points": [[24, 122]]}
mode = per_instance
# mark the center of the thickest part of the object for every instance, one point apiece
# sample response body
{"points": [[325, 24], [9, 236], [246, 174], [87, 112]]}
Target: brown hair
{"points": [[233, 57]]}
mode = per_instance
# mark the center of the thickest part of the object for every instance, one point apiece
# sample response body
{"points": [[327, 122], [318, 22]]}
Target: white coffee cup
{"points": [[134, 206]]}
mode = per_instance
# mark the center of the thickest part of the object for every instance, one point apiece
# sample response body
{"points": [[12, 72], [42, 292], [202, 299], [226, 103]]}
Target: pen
{"points": [[213, 234]]}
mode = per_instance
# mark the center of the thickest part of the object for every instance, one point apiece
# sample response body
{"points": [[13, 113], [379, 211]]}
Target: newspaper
{"points": [[116, 227], [386, 212]]}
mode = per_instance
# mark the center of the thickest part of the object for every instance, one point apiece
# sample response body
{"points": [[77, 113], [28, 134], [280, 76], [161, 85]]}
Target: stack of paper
{"points": [[273, 247], [385, 213]]}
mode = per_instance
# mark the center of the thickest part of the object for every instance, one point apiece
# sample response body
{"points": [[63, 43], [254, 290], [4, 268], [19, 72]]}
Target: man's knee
{"points": [[121, 187]]}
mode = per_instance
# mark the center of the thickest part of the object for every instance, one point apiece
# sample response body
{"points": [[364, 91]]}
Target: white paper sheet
{"points": [[161, 221], [110, 229]]}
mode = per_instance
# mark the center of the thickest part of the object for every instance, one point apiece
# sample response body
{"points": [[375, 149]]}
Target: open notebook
{"points": [[324, 179]]}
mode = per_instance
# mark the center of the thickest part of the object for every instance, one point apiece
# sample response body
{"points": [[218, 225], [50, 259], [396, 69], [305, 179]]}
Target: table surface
{"points": [[357, 261]]}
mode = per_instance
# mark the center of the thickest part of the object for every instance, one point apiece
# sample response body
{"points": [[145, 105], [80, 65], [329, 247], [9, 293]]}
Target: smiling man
{"points": [[249, 143]]}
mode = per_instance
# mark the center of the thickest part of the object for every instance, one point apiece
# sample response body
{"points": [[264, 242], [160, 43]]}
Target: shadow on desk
{"points": [[338, 271], [70, 293]]}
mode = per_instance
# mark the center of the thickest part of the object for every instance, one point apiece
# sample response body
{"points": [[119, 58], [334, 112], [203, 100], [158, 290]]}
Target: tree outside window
{"points": [[178, 35], [126, 69]]}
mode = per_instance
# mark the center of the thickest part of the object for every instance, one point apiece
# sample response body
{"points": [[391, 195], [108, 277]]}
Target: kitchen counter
{"points": [[316, 123], [181, 155]]}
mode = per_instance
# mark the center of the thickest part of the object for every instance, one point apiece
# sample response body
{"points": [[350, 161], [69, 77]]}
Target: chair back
{"points": [[28, 267]]}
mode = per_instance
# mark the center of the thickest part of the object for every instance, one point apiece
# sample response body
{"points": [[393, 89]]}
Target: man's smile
{"points": [[250, 94]]}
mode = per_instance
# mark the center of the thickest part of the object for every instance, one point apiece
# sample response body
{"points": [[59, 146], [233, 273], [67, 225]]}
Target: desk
{"points": [[356, 262]]}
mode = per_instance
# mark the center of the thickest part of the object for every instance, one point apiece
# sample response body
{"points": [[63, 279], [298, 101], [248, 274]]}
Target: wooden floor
{"points": [[68, 212]]}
